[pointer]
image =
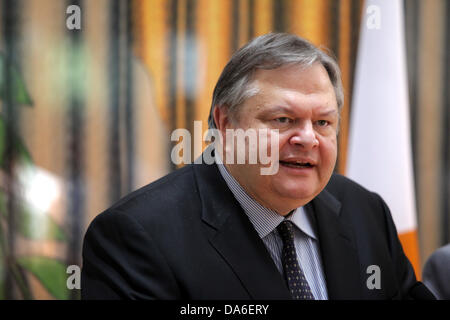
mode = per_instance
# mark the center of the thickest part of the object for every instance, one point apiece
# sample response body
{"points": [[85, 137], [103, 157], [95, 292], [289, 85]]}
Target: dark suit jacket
{"points": [[186, 237], [436, 273]]}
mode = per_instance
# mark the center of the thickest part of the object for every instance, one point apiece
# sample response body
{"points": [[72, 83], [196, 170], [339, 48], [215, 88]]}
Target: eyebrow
{"points": [[286, 110], [328, 113], [277, 109]]}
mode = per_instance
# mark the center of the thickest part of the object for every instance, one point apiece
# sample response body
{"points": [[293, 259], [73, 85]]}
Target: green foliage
{"points": [[19, 147], [38, 226], [29, 223], [50, 272], [33, 225], [18, 89], [2, 259]]}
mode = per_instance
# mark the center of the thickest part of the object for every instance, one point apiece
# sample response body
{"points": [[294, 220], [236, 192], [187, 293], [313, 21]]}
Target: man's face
{"points": [[300, 102]]}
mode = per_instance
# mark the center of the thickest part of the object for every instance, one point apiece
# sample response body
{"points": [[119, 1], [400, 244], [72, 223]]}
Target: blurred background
{"points": [[86, 113]]}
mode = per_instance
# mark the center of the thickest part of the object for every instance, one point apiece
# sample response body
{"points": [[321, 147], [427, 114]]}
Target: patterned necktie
{"points": [[294, 275]]}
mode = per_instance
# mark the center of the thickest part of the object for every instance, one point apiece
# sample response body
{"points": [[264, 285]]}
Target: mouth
{"points": [[297, 164]]}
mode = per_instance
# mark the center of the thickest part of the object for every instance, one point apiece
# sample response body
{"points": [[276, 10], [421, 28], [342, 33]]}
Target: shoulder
{"points": [[345, 189], [361, 207], [164, 190], [441, 256], [436, 273], [339, 182], [158, 202]]}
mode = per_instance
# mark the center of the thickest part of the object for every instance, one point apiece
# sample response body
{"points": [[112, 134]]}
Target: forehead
{"points": [[292, 86], [304, 79]]}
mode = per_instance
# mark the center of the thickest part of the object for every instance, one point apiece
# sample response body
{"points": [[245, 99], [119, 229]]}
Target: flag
{"points": [[379, 149]]}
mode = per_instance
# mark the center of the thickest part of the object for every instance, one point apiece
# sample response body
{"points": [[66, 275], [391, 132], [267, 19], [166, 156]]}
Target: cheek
{"points": [[328, 152]]}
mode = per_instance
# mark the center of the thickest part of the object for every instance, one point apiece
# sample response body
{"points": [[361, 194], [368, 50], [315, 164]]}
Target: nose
{"points": [[304, 136]]}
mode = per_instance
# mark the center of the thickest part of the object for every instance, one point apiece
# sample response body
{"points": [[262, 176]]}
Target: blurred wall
{"points": [[428, 39]]}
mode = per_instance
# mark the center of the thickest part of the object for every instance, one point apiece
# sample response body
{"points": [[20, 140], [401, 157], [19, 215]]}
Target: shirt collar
{"points": [[263, 219]]}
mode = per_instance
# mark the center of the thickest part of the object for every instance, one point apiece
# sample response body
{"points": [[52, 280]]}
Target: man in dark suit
{"points": [[229, 231], [436, 273]]}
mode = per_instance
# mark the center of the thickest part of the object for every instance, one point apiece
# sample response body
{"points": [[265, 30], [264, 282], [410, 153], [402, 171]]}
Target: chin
{"points": [[296, 194]]}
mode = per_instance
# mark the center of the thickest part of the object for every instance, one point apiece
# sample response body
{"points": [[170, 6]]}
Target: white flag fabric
{"points": [[379, 150]]}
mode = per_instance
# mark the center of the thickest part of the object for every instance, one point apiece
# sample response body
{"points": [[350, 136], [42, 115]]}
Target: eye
{"points": [[322, 123], [283, 120]]}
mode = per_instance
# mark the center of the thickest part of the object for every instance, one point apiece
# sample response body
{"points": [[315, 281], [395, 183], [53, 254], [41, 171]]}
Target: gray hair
{"points": [[269, 51]]}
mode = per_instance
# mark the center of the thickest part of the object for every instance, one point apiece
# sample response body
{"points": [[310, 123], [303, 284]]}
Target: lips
{"points": [[298, 163]]}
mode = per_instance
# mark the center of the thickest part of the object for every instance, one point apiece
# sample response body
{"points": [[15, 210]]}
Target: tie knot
{"points": [[286, 230]]}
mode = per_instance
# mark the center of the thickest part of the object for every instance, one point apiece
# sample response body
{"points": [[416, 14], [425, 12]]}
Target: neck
{"points": [[282, 206]]}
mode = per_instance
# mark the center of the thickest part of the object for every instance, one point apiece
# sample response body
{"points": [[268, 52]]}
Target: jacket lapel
{"points": [[338, 249], [231, 233]]}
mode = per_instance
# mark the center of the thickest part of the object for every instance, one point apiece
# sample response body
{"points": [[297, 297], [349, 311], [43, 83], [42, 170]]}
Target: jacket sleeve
{"points": [[121, 261], [410, 288]]}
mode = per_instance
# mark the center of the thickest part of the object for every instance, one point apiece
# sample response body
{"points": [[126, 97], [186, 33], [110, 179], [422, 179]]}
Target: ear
{"points": [[221, 118]]}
